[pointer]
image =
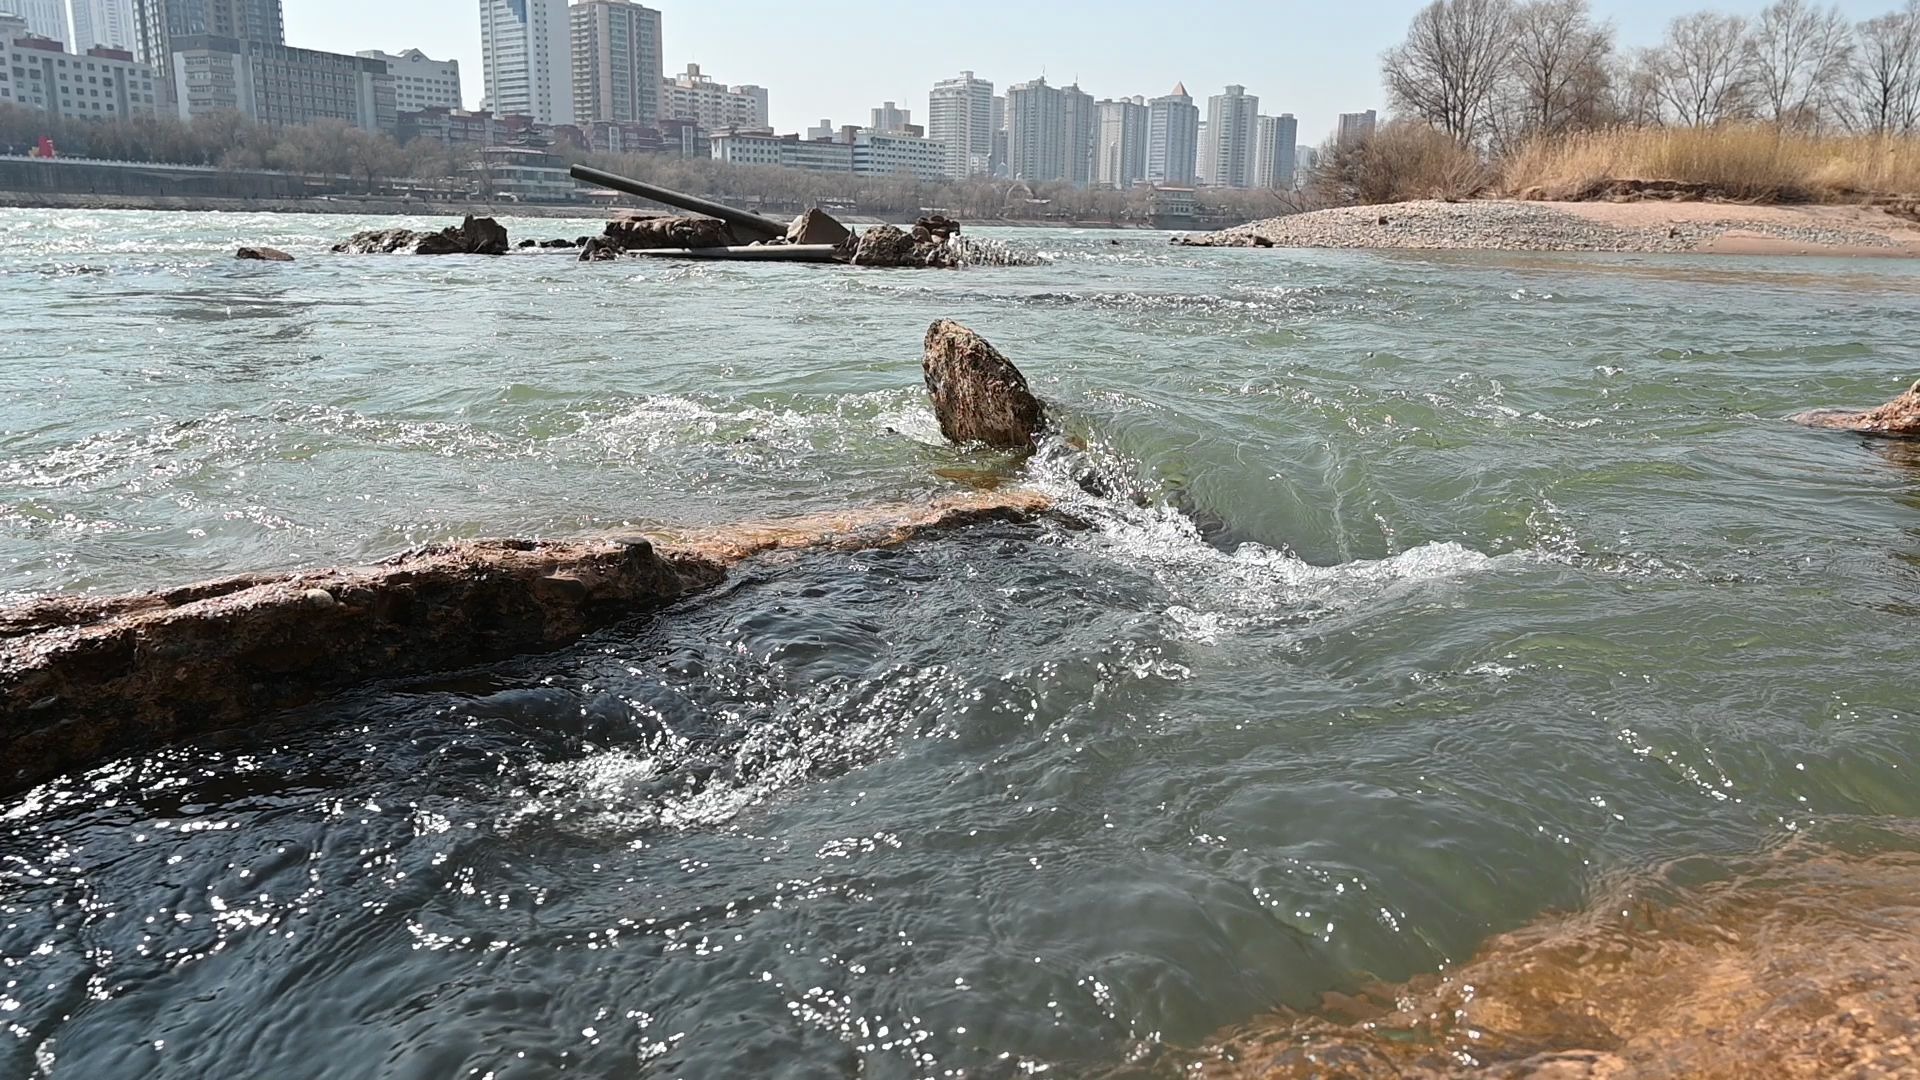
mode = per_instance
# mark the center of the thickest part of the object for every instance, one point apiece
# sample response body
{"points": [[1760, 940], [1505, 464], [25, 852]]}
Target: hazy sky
{"points": [[838, 58]]}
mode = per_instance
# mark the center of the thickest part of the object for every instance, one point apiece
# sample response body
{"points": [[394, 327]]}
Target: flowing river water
{"points": [[1425, 596]]}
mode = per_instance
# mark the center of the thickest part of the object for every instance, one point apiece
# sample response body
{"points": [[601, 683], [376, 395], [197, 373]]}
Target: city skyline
{"points": [[1314, 63]]}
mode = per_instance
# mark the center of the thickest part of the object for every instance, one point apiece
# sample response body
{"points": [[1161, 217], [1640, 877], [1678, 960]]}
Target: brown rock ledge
{"points": [[83, 679]]}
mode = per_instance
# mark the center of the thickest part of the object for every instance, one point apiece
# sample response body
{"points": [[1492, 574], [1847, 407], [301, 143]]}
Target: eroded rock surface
{"points": [[657, 233], [816, 226], [1899, 418], [1799, 965], [473, 236], [83, 679], [263, 254], [978, 395]]}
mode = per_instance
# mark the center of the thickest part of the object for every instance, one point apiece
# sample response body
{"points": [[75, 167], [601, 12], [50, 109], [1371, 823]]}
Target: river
{"points": [[1425, 595]]}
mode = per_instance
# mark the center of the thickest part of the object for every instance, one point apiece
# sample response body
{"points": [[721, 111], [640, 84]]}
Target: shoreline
{"points": [[353, 207], [1652, 228]]}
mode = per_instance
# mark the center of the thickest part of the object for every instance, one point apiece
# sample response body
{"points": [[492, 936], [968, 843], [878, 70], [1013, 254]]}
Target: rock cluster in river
{"points": [[1509, 226], [659, 232]]}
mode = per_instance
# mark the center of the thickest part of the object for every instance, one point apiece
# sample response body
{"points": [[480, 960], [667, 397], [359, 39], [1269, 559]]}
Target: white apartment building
{"points": [[419, 82], [960, 114], [100, 84], [279, 86], [617, 72], [867, 154], [1036, 132], [102, 22], [880, 153], [526, 50], [1173, 138], [46, 18], [1120, 144], [1079, 127], [693, 96], [1232, 126], [1274, 152]]}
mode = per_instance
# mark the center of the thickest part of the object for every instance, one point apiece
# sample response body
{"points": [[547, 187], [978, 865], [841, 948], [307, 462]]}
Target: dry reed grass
{"points": [[1754, 163]]}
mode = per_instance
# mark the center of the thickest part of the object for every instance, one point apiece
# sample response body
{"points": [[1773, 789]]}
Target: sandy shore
{"points": [[1646, 227]]}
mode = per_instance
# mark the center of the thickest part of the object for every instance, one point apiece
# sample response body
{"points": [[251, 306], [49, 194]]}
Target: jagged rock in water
{"points": [[474, 236], [600, 249], [263, 254], [558, 244], [978, 395], [379, 242], [1899, 418], [528, 244], [657, 233], [885, 245], [816, 226], [938, 226]]}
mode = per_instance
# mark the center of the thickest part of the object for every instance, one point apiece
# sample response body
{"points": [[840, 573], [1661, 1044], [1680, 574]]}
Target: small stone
{"points": [[318, 598], [263, 254]]}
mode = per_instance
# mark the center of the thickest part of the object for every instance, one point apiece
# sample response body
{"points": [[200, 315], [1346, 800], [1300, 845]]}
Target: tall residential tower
{"points": [[1173, 138], [103, 22], [527, 57], [1232, 126], [960, 114], [617, 69], [1120, 145]]}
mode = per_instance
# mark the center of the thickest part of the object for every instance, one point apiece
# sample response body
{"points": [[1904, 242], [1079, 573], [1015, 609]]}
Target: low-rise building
{"points": [[419, 82], [280, 86], [453, 127], [877, 153], [856, 151], [525, 174], [100, 84]]}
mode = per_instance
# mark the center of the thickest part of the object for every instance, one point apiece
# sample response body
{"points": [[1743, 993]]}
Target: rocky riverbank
{"points": [[1645, 228]]}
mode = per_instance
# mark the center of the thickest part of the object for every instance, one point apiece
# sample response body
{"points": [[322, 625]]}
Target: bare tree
{"points": [[1799, 57], [1701, 69], [1886, 72], [1560, 65], [1448, 69]]}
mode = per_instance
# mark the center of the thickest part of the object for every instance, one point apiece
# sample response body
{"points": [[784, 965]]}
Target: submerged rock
{"points": [[600, 249], [263, 254], [1899, 418], [474, 236], [978, 395], [84, 679]]}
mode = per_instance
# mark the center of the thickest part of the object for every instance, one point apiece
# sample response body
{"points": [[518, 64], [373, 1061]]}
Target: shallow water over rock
{"points": [[1422, 597]]}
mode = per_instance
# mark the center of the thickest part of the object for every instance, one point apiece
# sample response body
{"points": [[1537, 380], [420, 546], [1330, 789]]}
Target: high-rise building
{"points": [[714, 106], [1305, 160], [1274, 152], [526, 53], [617, 67], [1356, 127], [47, 76], [1120, 145], [45, 18], [157, 22], [960, 115], [1078, 130], [1203, 168], [890, 120], [1173, 138], [419, 82], [997, 157], [102, 22], [278, 86], [1036, 132], [1232, 125]]}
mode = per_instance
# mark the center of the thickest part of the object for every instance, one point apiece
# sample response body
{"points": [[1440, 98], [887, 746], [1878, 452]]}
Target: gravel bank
{"points": [[1530, 226]]}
